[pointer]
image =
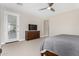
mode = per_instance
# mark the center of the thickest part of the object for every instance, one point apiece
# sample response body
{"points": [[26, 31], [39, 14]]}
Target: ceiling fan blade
{"points": [[19, 4], [50, 4], [43, 8], [52, 9]]}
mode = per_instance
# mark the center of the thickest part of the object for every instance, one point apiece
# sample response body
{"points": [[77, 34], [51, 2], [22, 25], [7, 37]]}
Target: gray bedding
{"points": [[63, 45]]}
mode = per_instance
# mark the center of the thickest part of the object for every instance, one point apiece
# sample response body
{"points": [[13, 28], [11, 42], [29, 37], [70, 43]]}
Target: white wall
{"points": [[65, 23], [0, 25], [25, 19]]}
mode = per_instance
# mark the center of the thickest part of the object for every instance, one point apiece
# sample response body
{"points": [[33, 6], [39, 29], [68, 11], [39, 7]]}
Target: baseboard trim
{"points": [[44, 36], [22, 40], [2, 43]]}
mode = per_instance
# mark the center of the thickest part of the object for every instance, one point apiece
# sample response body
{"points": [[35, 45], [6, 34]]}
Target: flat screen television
{"points": [[32, 27]]}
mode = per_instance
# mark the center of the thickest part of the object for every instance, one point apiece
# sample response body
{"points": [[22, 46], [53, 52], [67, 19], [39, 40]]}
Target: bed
{"points": [[60, 45]]}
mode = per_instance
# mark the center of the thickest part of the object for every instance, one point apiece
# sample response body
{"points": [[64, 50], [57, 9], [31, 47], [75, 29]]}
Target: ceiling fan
{"points": [[20, 4], [49, 7]]}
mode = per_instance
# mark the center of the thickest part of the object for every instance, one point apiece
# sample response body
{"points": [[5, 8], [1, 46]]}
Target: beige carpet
{"points": [[23, 48]]}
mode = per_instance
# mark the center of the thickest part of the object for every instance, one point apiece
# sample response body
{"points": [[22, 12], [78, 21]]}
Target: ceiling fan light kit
{"points": [[49, 8]]}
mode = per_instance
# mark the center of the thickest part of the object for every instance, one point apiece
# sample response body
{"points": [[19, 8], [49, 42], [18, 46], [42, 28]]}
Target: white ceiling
{"points": [[33, 8]]}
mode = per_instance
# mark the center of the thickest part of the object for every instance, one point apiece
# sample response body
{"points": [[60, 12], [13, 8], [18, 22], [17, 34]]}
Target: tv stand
{"points": [[30, 35]]}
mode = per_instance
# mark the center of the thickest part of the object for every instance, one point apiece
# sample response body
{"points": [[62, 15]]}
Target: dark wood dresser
{"points": [[30, 35]]}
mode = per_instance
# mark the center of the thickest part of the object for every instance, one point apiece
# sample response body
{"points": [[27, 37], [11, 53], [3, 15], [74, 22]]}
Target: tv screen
{"points": [[32, 27]]}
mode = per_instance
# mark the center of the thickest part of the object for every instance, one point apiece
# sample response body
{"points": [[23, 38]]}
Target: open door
{"points": [[46, 28]]}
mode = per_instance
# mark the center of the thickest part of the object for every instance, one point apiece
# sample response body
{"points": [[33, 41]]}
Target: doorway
{"points": [[46, 28], [12, 26]]}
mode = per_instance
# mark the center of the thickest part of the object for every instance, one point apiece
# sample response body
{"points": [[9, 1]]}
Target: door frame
{"points": [[6, 13], [46, 27]]}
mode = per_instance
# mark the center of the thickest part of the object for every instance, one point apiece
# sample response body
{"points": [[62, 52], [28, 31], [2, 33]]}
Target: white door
{"points": [[12, 26], [46, 28]]}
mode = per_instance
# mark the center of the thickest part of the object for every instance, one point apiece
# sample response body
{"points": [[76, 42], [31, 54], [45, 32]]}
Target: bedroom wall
{"points": [[64, 23], [0, 25], [25, 19]]}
